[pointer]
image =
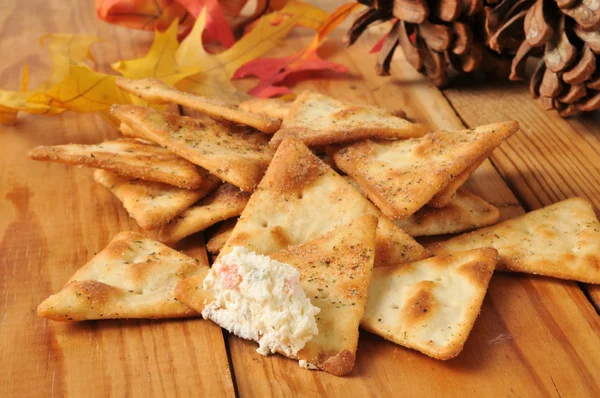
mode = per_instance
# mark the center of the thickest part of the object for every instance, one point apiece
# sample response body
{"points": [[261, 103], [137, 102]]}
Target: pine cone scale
{"points": [[438, 36]]}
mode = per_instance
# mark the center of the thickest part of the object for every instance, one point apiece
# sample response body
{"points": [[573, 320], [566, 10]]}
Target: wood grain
{"points": [[521, 344], [550, 159], [53, 219], [535, 336]]}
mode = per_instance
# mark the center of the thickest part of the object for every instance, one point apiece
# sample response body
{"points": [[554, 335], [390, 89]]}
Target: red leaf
{"points": [[217, 28], [159, 14], [273, 71]]}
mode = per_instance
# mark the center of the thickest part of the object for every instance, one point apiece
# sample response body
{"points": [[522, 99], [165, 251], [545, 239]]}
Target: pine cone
{"points": [[433, 34], [437, 36], [565, 34]]}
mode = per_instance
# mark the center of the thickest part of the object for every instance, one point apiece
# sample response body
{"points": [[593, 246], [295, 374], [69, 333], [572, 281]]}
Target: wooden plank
{"points": [[535, 336], [53, 219], [549, 159]]}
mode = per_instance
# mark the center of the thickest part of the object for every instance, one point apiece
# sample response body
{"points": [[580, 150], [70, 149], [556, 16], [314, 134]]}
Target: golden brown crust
{"points": [[234, 154], [465, 212], [154, 90], [430, 305], [445, 196], [340, 364], [335, 272], [191, 293], [133, 277], [400, 177], [152, 204], [561, 240], [220, 237], [226, 202], [421, 303], [301, 198], [127, 157], [272, 107], [317, 120]]}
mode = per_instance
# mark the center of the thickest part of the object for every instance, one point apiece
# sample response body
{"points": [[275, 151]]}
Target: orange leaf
{"points": [[272, 71], [143, 14]]}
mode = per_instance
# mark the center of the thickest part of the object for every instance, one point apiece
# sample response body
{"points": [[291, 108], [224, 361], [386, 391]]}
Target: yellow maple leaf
{"points": [[82, 90], [159, 62], [65, 51]]}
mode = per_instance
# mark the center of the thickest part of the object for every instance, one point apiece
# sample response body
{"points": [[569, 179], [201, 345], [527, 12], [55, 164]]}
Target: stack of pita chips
{"points": [[351, 237]]}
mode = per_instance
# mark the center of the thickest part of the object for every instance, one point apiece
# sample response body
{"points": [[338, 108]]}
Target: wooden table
{"points": [[535, 336]]}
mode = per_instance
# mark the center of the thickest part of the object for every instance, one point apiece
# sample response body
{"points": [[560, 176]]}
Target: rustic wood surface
{"points": [[535, 336]]}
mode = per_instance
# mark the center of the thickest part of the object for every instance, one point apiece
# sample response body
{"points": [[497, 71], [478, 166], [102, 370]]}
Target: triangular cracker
{"points": [[220, 237], [272, 107], [445, 196], [236, 155], [152, 204], [127, 157], [133, 277], [301, 198], [317, 120], [156, 91], [561, 240], [466, 211], [400, 177], [226, 202], [430, 305], [335, 272]]}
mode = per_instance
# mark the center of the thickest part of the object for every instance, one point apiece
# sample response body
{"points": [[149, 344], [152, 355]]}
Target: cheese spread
{"points": [[260, 299]]}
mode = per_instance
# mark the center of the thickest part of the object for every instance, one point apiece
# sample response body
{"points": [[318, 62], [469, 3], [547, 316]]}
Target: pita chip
{"points": [[272, 107], [236, 155], [156, 91], [400, 177], [301, 198], [335, 272], [226, 202], [127, 157], [317, 120], [152, 204], [220, 237], [430, 305], [445, 196], [133, 277], [466, 211], [561, 240]]}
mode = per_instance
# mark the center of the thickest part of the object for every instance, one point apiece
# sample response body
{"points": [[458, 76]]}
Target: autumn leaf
{"points": [[82, 90], [65, 51], [74, 86], [216, 70], [143, 14], [159, 62], [217, 28], [273, 71]]}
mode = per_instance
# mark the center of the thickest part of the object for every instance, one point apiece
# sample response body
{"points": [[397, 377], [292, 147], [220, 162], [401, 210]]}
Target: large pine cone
{"points": [[439, 35]]}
